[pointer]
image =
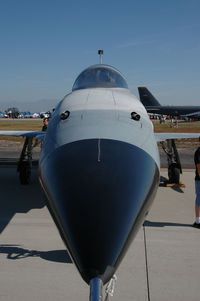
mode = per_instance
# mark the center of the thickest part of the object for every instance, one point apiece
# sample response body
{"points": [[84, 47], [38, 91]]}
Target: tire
{"points": [[24, 173], [174, 173]]}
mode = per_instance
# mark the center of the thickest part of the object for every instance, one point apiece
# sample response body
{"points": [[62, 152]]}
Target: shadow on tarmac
{"points": [[164, 224], [16, 252], [164, 181], [17, 198]]}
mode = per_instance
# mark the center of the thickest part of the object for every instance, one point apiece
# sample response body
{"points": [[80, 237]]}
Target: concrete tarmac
{"points": [[186, 155], [35, 266]]}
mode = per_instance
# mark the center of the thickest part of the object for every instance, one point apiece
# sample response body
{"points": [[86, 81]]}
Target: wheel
{"points": [[24, 172], [174, 173]]}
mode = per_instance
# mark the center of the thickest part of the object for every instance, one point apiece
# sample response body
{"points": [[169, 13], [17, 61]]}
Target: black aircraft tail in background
{"points": [[153, 106], [147, 98]]}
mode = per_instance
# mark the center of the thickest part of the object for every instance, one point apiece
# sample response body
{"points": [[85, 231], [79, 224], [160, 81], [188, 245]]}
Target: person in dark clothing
{"points": [[45, 124], [197, 187], [44, 128]]}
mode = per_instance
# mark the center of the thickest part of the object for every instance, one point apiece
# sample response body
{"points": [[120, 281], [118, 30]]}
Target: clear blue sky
{"points": [[45, 44]]}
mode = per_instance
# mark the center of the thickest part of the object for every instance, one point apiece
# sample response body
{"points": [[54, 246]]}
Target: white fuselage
{"points": [[104, 114]]}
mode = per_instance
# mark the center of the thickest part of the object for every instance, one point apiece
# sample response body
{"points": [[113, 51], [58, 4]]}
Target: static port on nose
{"points": [[135, 116], [65, 115]]}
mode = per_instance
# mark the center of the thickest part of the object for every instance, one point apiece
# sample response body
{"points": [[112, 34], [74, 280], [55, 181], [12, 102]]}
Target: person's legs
{"points": [[197, 212], [197, 205]]}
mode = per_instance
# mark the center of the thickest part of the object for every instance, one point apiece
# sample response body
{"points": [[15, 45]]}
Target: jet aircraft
{"points": [[152, 105], [100, 169]]}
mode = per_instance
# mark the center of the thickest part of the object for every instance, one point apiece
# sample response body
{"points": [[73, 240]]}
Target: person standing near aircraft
{"points": [[197, 187], [45, 124], [44, 128]]}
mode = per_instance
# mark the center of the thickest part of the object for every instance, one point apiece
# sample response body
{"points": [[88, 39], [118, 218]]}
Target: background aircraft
{"points": [[152, 105], [100, 169]]}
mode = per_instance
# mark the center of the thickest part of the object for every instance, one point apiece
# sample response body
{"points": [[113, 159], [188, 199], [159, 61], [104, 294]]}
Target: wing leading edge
{"points": [[37, 135], [158, 136], [165, 136]]}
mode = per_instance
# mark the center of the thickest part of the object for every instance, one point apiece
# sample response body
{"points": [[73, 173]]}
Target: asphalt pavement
{"points": [[34, 264]]}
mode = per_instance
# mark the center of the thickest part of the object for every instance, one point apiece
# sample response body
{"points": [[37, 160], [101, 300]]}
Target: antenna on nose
{"points": [[100, 53]]}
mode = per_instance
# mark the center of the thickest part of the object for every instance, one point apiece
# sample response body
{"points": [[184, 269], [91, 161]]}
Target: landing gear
{"points": [[25, 162], [96, 289], [96, 286], [174, 173], [174, 164]]}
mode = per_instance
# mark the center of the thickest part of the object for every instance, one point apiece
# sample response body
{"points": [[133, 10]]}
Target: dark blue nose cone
{"points": [[99, 192]]}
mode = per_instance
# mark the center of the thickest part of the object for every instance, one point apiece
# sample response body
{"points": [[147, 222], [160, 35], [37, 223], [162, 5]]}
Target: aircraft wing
{"points": [[164, 136], [159, 136], [194, 114], [37, 135]]}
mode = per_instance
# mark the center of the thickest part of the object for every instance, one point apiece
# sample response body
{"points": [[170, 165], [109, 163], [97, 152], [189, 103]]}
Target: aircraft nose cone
{"points": [[99, 192]]}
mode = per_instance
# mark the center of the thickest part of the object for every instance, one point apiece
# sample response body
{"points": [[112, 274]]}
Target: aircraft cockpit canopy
{"points": [[100, 76]]}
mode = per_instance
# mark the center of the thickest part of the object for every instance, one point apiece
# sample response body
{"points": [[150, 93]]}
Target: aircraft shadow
{"points": [[15, 252], [164, 224], [17, 198]]}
